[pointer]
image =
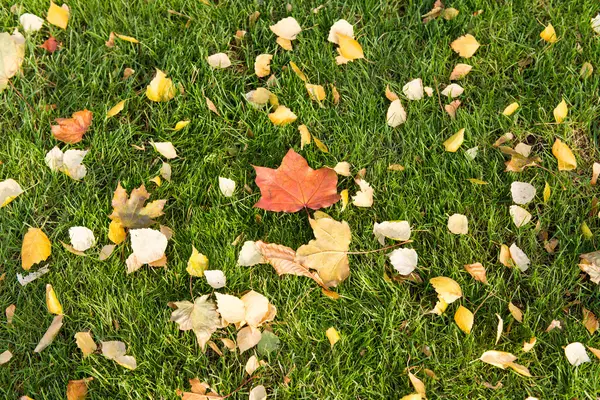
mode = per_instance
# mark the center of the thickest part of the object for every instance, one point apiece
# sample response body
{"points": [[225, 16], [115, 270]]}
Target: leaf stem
{"points": [[378, 250]]}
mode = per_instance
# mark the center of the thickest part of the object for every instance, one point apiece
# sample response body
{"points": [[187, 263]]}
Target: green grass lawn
{"points": [[383, 325]]}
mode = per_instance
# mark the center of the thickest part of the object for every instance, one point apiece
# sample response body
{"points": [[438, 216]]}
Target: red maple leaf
{"points": [[294, 185]]}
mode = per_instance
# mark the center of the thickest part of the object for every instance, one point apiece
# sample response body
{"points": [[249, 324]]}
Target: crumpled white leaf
{"points": [[396, 115], [68, 162], [219, 60], [258, 393], [9, 189], [227, 186], [404, 260], [596, 23], [24, 280], [576, 354], [148, 245], [166, 149], [522, 192], [287, 28], [215, 278], [519, 257], [458, 224], [342, 168], [31, 22], [115, 350], [82, 238], [250, 255], [453, 90], [343, 27], [364, 197], [413, 90], [395, 230], [520, 216]]}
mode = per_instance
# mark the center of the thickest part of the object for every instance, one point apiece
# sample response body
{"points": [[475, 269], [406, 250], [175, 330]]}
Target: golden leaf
{"points": [[298, 71], [282, 116], [453, 143], [58, 16], [549, 34], [77, 390], [85, 343], [316, 92], [180, 125], [515, 312], [161, 88], [197, 263], [590, 321], [564, 155], [126, 38], [547, 192], [304, 136], [447, 289], [477, 271], [116, 109], [36, 247], [561, 111], [349, 48], [465, 46], [464, 319], [333, 336], [460, 71], [262, 65], [52, 303], [510, 109]]}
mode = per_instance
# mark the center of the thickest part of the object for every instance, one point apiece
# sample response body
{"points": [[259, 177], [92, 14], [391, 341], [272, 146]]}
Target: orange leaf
{"points": [[71, 130], [294, 185]]}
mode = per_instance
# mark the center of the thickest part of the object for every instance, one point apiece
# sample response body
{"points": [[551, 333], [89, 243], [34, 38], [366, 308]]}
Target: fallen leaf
{"points": [[447, 289], [396, 115], [226, 186], [458, 224], [343, 168], [527, 346], [71, 130], [36, 247], [294, 185], [180, 125], [82, 238], [52, 303], [287, 28], [12, 48], [31, 22], [549, 34], [391, 96], [251, 365], [520, 216], [85, 343], [24, 280], [126, 38], [561, 111], [553, 325], [564, 156], [450, 13], [77, 390], [499, 359], [335, 94], [130, 212], [219, 61], [519, 257], [166, 149], [522, 192], [404, 260], [5, 357], [594, 351], [590, 321], [9, 190], [452, 108], [453, 143], [515, 312], [115, 350], [395, 230], [50, 44], [165, 171], [200, 316], [262, 65], [465, 46], [10, 313], [316, 92], [500, 328], [464, 319], [510, 109], [282, 116], [285, 44], [215, 278], [349, 48], [332, 335], [269, 342], [576, 354], [586, 70], [595, 174], [232, 309], [58, 16], [417, 384], [127, 72], [453, 90], [197, 263], [50, 334], [364, 197], [250, 255], [413, 90], [342, 27], [258, 393], [148, 245], [247, 338], [477, 271], [460, 71], [160, 88], [326, 254], [116, 109]]}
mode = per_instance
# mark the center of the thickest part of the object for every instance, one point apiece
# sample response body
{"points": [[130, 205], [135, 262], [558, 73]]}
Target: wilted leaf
{"points": [[342, 27], [453, 90], [590, 321], [50, 44], [200, 316], [115, 350], [50, 334], [215, 278], [287, 28], [282, 116], [404, 260], [364, 197], [116, 109], [460, 71], [515, 312], [232, 309], [316, 92], [586, 70], [413, 90], [282, 259], [500, 328], [452, 108], [77, 390], [219, 60], [71, 130], [395, 230], [130, 212], [247, 338], [326, 254], [5, 357], [12, 53], [396, 115], [294, 185], [226, 186], [262, 65], [258, 393], [519, 257], [520, 216]]}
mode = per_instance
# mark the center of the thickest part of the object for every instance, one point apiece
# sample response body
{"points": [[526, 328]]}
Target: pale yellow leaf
{"points": [[477, 271], [515, 312], [447, 289], [161, 88], [50, 334], [561, 111], [460, 71], [247, 338], [510, 109], [262, 65], [180, 125], [547, 192], [282, 116], [453, 143], [349, 48], [316, 92], [344, 196], [476, 181], [219, 60], [458, 224], [286, 28], [85, 343], [590, 321], [285, 44], [304, 136], [298, 71], [320, 145], [116, 109], [333, 336], [527, 346], [417, 384], [465, 46], [197, 263]]}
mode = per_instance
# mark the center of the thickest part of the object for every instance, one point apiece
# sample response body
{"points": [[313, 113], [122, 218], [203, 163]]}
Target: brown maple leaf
{"points": [[51, 45], [294, 185], [71, 130], [131, 212]]}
